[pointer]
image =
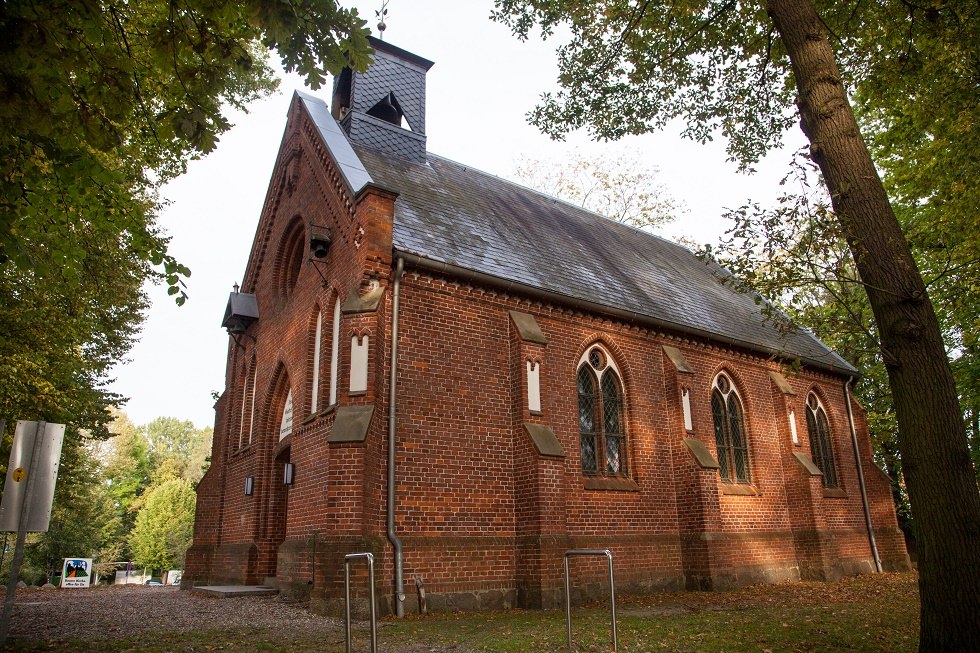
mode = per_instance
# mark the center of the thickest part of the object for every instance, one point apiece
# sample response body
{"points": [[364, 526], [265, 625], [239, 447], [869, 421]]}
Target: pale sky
{"points": [[479, 91]]}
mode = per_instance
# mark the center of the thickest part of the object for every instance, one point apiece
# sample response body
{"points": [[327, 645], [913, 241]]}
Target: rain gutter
{"points": [[396, 543]]}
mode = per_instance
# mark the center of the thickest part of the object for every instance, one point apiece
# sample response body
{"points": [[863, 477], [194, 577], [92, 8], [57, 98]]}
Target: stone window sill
{"points": [[834, 493], [739, 489], [621, 484], [314, 416]]}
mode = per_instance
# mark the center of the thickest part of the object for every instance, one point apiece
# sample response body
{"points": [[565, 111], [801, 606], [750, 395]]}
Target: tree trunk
{"points": [[932, 438]]}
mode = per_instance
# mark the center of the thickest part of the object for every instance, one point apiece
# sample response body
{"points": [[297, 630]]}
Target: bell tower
{"points": [[384, 107]]}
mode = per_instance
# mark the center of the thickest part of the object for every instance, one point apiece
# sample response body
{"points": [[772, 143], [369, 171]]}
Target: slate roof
{"points": [[450, 213]]}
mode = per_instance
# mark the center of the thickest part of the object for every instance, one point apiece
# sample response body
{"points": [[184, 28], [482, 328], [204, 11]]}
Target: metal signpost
{"points": [[27, 494], [568, 596]]}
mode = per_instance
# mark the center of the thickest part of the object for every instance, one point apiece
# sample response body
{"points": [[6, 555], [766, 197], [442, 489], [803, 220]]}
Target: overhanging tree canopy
{"points": [[749, 71], [103, 101]]}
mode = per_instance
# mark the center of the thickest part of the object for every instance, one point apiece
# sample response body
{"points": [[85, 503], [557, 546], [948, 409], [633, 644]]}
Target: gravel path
{"points": [[115, 612], [126, 610]]}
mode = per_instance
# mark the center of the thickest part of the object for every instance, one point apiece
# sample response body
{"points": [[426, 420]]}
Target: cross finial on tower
{"points": [[381, 14]]}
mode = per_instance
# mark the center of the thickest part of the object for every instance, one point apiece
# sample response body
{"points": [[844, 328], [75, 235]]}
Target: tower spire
{"points": [[381, 14]]}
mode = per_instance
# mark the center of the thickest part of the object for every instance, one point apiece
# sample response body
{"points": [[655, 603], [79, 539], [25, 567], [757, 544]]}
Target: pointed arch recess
{"points": [[277, 395], [316, 329]]}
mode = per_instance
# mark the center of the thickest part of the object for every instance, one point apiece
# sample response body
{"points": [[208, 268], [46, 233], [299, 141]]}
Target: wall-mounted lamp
{"points": [[289, 474], [249, 485]]}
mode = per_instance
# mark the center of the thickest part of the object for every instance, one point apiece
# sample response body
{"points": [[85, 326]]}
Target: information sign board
{"points": [[76, 572]]}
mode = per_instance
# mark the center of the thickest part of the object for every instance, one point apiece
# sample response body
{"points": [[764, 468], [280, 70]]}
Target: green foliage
{"points": [[794, 255], [107, 488], [179, 442], [103, 102], [164, 526], [84, 521], [128, 467], [618, 187], [919, 104], [61, 335], [633, 67]]}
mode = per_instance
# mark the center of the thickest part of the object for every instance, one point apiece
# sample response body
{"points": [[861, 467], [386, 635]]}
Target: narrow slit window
{"points": [[315, 395], [334, 351]]}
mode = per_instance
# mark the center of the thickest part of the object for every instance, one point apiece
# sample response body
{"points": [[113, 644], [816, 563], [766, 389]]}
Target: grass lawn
{"points": [[868, 613]]}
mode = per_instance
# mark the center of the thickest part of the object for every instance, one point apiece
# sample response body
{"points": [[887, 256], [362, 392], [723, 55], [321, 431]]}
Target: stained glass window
{"points": [[602, 434], [819, 430], [730, 436]]}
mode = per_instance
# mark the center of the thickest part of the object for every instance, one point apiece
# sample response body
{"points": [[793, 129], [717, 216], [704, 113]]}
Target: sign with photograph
{"points": [[77, 572]]}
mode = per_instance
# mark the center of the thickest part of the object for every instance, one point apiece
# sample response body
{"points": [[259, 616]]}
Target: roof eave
{"points": [[508, 285]]}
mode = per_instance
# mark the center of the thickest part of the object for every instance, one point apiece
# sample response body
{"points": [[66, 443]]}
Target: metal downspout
{"points": [[396, 543], [860, 471]]}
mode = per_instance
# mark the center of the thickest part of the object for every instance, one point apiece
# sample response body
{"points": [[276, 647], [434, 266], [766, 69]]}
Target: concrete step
{"points": [[235, 591]]}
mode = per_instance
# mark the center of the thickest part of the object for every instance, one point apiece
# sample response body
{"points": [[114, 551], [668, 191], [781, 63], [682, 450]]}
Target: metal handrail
{"points": [[568, 596], [374, 620]]}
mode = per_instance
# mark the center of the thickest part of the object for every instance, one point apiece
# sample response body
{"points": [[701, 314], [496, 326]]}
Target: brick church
{"points": [[466, 377]]}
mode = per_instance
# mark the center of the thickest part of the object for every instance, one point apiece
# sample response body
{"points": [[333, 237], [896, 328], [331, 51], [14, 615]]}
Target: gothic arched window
{"points": [[730, 436], [601, 423], [819, 430]]}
